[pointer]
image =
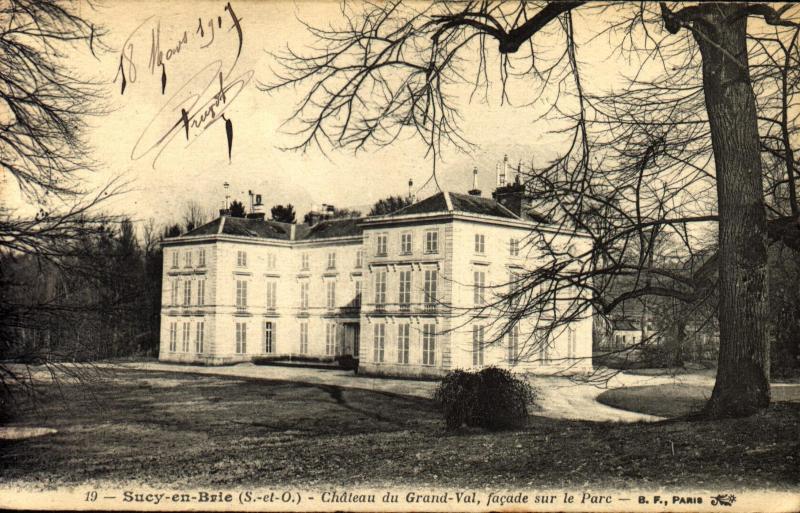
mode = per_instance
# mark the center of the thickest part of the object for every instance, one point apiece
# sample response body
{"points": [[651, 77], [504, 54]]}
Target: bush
{"points": [[492, 398]]}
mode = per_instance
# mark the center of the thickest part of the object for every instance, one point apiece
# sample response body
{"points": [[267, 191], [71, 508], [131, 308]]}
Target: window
{"points": [[431, 277], [403, 342], [175, 286], [241, 338], [201, 292], [199, 337], [380, 289], [477, 346], [241, 258], [271, 261], [304, 295], [175, 259], [381, 248], [513, 344], [201, 257], [187, 293], [330, 338], [357, 299], [187, 259], [186, 334], [269, 337], [241, 294], [432, 241], [304, 262], [331, 260], [379, 341], [572, 342], [330, 294], [513, 247], [544, 351], [405, 289], [272, 294], [359, 259], [173, 337], [405, 243], [303, 338], [480, 243], [428, 344], [479, 296]]}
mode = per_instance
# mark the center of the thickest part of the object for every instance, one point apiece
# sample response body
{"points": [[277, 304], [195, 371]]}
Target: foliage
{"points": [[491, 398], [389, 204], [284, 214], [236, 209]]}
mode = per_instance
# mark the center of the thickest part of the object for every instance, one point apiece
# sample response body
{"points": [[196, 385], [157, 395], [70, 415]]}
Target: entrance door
{"points": [[351, 336]]}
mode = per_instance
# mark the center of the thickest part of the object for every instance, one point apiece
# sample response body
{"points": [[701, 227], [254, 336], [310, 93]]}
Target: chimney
{"points": [[474, 191], [292, 231], [505, 168], [256, 208]]}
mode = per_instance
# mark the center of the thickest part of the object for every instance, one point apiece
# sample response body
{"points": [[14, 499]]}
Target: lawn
{"points": [[186, 430], [674, 400]]}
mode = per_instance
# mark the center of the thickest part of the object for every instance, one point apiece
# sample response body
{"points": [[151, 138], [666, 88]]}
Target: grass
{"points": [[673, 400], [185, 430]]}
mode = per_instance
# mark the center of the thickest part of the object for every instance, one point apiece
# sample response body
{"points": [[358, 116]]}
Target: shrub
{"points": [[491, 398]]}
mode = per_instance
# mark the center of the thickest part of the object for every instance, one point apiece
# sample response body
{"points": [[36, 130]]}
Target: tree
{"points": [[236, 209], [389, 204], [194, 215], [393, 68], [283, 214]]}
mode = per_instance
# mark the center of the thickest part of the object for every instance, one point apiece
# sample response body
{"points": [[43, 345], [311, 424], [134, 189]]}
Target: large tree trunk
{"points": [[742, 385]]}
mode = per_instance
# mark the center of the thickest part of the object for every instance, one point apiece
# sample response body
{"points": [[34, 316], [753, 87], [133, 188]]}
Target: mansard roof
{"points": [[457, 202]]}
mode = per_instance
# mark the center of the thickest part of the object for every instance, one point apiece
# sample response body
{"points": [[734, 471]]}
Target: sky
{"points": [[163, 178]]}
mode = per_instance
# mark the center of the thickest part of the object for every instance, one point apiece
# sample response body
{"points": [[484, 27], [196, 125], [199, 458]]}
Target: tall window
{"points": [[272, 294], [513, 344], [186, 334], [379, 340], [269, 337], [431, 278], [330, 294], [477, 346], [403, 331], [187, 258], [201, 292], [175, 259], [572, 342], [381, 248], [241, 258], [380, 289], [303, 338], [480, 243], [405, 243], [544, 351], [175, 286], [199, 337], [173, 336], [514, 247], [187, 293], [241, 338], [357, 299], [405, 289], [304, 262], [432, 241], [304, 295], [201, 257], [330, 338], [271, 261], [479, 296], [359, 259], [332, 260], [428, 344], [241, 294]]}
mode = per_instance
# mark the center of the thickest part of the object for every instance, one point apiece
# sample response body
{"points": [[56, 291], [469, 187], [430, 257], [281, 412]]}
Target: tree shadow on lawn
{"points": [[208, 430]]}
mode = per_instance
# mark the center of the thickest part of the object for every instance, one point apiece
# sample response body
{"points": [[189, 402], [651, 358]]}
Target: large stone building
{"points": [[401, 292]]}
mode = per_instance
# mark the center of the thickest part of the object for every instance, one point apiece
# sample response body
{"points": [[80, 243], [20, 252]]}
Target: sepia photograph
{"points": [[399, 255]]}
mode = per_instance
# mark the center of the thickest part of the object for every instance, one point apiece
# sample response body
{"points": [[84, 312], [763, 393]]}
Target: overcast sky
{"points": [[196, 171]]}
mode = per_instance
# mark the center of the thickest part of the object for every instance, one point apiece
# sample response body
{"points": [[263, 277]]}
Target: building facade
{"points": [[408, 294]]}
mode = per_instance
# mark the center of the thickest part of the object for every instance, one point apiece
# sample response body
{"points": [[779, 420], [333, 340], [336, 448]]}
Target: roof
{"points": [[625, 325], [346, 227], [456, 202], [243, 227]]}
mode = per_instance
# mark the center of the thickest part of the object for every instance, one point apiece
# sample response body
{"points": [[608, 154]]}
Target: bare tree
{"points": [[391, 68], [194, 215]]}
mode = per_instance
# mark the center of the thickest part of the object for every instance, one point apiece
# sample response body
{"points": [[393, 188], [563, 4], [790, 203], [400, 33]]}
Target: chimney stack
{"points": [[474, 191], [257, 208]]}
